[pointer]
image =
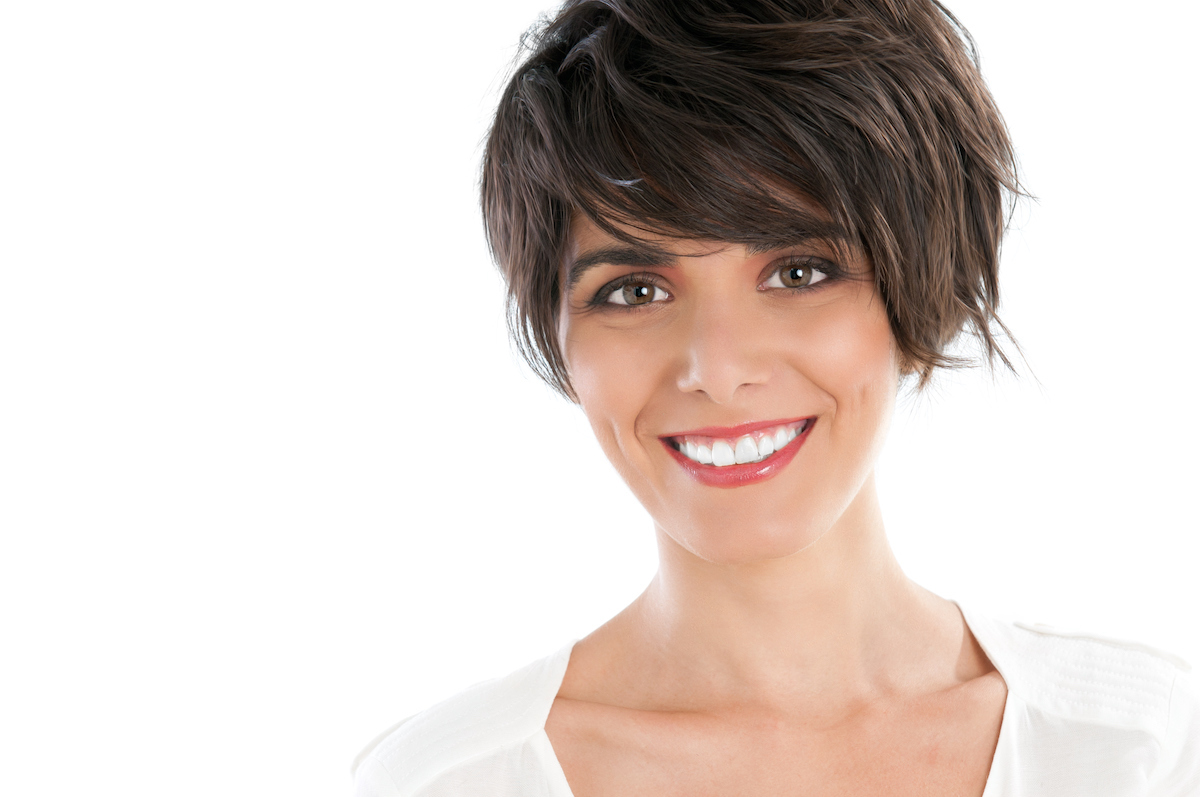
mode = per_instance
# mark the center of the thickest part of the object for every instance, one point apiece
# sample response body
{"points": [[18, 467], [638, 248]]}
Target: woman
{"points": [[729, 232]]}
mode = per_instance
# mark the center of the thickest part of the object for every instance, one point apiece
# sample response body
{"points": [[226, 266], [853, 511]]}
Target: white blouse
{"points": [[1084, 716]]}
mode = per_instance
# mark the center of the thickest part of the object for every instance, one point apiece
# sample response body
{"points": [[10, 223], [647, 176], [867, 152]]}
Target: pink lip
{"points": [[735, 431], [738, 475]]}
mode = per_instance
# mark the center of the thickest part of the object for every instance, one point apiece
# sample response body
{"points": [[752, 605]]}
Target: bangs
{"points": [[680, 147]]}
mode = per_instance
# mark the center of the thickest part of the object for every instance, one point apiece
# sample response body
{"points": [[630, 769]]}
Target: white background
{"points": [[271, 478]]}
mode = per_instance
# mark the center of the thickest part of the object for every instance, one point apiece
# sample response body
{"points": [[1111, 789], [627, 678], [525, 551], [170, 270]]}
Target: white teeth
{"points": [[766, 446], [722, 454], [746, 451]]}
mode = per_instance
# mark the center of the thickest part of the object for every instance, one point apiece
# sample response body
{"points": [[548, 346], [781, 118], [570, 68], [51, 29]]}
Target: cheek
{"points": [[852, 357], [612, 377]]}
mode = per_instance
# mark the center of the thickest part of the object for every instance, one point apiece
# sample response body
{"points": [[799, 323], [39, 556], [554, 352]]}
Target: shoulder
{"points": [[487, 719], [1086, 695], [1084, 677]]}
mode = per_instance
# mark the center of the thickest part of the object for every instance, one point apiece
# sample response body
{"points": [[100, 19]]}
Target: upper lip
{"points": [[735, 431]]}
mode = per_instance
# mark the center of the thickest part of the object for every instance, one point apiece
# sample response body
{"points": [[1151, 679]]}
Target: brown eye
{"points": [[795, 275], [636, 293]]}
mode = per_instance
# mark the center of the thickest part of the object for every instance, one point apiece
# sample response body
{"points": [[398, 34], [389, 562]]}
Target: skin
{"points": [[779, 649]]}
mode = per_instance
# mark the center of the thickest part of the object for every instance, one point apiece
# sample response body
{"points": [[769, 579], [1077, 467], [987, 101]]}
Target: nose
{"points": [[725, 354]]}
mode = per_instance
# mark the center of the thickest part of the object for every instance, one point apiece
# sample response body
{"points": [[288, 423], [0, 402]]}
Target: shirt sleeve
{"points": [[1178, 771]]}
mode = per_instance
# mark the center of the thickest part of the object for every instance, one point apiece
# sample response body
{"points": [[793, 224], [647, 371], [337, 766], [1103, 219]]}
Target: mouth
{"points": [[741, 455]]}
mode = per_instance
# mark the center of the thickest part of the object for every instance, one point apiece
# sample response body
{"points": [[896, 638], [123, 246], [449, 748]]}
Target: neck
{"points": [[836, 622]]}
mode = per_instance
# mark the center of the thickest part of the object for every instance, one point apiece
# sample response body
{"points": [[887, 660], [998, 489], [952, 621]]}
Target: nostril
{"points": [[723, 371]]}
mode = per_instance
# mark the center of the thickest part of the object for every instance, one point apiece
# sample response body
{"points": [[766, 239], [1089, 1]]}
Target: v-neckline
{"points": [[559, 787]]}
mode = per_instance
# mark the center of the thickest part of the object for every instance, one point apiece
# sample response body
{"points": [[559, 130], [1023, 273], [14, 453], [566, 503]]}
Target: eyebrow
{"points": [[643, 256], [648, 256]]}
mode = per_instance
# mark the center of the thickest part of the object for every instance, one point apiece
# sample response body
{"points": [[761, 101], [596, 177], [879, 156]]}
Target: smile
{"points": [[738, 456], [749, 448]]}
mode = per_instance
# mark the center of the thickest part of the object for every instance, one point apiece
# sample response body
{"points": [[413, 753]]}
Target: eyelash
{"points": [[831, 271], [645, 278]]}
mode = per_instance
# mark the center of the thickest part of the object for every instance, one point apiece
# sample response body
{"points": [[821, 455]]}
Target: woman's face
{"points": [[743, 395]]}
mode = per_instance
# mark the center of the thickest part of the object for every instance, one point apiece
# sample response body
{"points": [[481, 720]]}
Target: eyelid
{"points": [[600, 298], [830, 269]]}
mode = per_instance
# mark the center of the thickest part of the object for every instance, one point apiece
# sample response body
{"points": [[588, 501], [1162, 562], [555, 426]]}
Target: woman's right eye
{"points": [[632, 294]]}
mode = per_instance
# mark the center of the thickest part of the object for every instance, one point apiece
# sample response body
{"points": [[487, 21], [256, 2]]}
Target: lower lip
{"points": [[741, 475]]}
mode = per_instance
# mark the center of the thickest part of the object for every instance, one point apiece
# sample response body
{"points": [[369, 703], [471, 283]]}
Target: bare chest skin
{"points": [[929, 745]]}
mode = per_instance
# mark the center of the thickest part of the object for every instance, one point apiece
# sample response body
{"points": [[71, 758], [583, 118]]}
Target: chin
{"points": [[733, 543]]}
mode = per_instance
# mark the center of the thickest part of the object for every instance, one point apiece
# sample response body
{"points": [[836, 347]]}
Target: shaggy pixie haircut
{"points": [[731, 120]]}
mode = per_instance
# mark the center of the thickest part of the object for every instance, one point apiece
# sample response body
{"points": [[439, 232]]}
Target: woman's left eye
{"points": [[633, 294], [795, 275]]}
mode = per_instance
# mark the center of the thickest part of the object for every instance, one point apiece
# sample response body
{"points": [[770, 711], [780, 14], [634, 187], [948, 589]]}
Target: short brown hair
{"points": [[699, 119]]}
